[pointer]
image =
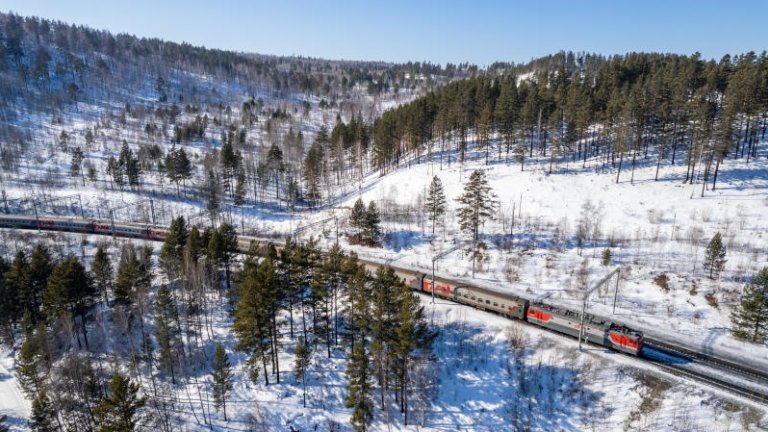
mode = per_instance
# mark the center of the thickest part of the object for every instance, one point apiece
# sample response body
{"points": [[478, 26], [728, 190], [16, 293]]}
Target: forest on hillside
{"points": [[113, 111], [674, 109]]}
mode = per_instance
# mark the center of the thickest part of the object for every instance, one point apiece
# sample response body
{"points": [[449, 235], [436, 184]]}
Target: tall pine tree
{"points": [[360, 387], [435, 203], [119, 410], [714, 257], [750, 317], [222, 375]]}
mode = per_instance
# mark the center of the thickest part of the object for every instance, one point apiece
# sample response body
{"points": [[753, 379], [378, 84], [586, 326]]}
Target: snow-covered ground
{"points": [[12, 401]]}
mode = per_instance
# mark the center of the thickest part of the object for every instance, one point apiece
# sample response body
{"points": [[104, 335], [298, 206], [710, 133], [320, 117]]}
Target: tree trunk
{"points": [[717, 168]]}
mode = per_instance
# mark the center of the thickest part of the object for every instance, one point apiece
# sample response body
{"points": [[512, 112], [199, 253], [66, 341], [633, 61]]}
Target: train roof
{"points": [[572, 315]]}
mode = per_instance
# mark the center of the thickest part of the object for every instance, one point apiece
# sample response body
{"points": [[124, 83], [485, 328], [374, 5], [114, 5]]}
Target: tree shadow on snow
{"points": [[487, 386], [398, 240]]}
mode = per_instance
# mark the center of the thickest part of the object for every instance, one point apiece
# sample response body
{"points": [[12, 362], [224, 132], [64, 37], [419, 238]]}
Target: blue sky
{"points": [[479, 32]]}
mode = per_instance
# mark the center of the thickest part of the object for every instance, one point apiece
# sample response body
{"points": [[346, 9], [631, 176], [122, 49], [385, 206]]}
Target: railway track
{"points": [[757, 392], [667, 357], [744, 381]]}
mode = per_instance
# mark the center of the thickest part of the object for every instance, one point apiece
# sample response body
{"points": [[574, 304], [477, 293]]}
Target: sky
{"points": [[479, 32]]}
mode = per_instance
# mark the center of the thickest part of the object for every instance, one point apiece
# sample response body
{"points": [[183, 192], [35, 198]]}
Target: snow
{"points": [[12, 401]]}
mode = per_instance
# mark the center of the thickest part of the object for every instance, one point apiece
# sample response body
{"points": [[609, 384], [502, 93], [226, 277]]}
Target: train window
{"points": [[474, 298], [495, 304], [487, 302]]}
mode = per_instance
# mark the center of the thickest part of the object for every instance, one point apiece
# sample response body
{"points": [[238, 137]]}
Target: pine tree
{"points": [[411, 333], [183, 166], [74, 164], [230, 162], [3, 423], [750, 317], [435, 203], [239, 198], [476, 206], [372, 221], [129, 165], [119, 409], [360, 387], [173, 246], [382, 321], [227, 248], [276, 166], [606, 257], [29, 368], [303, 356], [256, 285], [43, 418], [222, 376], [714, 257], [71, 290], [16, 281], [39, 271], [127, 275], [101, 268], [195, 244], [313, 170], [7, 303], [357, 220], [212, 187], [359, 311], [166, 333]]}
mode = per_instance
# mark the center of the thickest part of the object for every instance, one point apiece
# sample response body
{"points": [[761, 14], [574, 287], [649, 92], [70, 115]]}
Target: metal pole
{"points": [[583, 315], [336, 221], [82, 212], [433, 282], [112, 216], [5, 203], [152, 207], [474, 256], [512, 227], [616, 291], [37, 217]]}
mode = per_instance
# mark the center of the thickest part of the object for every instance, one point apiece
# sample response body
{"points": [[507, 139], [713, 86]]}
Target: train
{"points": [[147, 232], [598, 330]]}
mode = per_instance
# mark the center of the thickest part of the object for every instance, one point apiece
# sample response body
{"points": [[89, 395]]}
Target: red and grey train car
{"points": [[598, 331], [82, 226]]}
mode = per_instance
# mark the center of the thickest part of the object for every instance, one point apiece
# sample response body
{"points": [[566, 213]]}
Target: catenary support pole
{"points": [[616, 291]]}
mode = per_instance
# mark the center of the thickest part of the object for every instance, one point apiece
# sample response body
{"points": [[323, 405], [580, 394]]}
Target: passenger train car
{"points": [[598, 330], [148, 232]]}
